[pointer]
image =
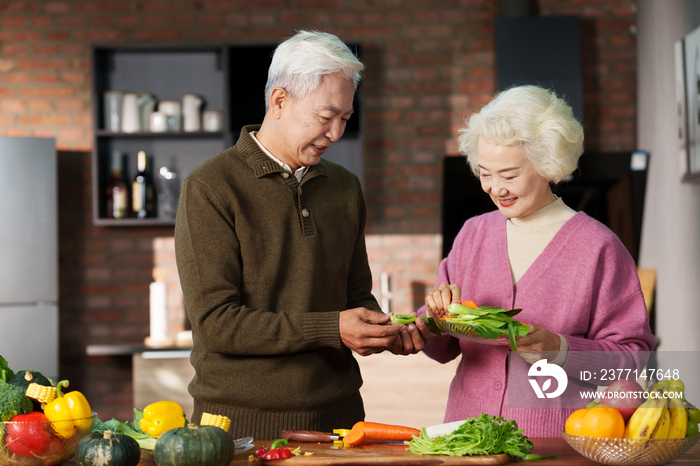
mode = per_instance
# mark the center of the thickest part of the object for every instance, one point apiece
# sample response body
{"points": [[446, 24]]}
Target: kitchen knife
{"points": [[309, 436], [441, 430], [435, 431], [323, 437]]}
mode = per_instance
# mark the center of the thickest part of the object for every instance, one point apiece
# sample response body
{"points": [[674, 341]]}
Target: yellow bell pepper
{"points": [[69, 412], [161, 417]]}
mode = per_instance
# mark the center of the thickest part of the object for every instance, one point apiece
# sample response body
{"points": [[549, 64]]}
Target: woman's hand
{"points": [[437, 301], [539, 343]]}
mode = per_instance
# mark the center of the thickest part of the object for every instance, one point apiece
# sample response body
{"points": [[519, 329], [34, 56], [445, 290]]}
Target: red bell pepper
{"points": [[260, 452], [28, 434], [275, 452]]}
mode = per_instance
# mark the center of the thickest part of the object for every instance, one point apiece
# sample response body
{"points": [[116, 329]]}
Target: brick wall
{"points": [[428, 63]]}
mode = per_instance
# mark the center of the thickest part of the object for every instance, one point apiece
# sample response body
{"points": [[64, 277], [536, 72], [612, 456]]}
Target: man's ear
{"points": [[278, 99]]}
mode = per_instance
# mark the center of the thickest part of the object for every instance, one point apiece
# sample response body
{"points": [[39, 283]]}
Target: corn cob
{"points": [[215, 420], [41, 393]]}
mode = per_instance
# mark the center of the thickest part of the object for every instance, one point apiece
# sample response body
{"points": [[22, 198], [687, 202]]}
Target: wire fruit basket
{"points": [[630, 452]]}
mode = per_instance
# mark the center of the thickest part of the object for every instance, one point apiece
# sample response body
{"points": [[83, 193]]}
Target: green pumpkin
{"points": [[194, 446], [108, 449], [22, 379]]}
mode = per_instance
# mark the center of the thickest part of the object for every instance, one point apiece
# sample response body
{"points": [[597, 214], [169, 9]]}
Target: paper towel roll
{"points": [[159, 311]]}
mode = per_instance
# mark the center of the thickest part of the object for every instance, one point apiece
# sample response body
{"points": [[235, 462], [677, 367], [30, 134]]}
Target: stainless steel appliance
{"points": [[29, 254]]}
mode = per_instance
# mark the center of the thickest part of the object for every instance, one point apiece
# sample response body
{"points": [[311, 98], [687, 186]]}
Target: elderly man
{"points": [[271, 254]]}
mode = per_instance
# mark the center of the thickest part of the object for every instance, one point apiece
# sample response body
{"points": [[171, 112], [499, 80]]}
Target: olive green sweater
{"points": [[266, 265]]}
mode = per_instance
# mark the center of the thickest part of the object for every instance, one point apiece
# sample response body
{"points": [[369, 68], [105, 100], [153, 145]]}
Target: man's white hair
{"points": [[300, 62]]}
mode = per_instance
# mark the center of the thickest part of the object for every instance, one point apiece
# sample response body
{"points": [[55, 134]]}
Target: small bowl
{"points": [[59, 449], [630, 452]]}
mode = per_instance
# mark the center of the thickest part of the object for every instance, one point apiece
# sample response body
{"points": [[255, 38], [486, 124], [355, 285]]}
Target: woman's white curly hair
{"points": [[533, 118]]}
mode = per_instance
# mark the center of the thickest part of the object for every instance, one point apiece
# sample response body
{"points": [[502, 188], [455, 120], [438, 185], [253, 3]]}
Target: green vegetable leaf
{"points": [[407, 319], [511, 336], [5, 372], [455, 309], [483, 435], [492, 310], [490, 323], [138, 415], [432, 326], [488, 333], [147, 443], [533, 456], [402, 319], [126, 428]]}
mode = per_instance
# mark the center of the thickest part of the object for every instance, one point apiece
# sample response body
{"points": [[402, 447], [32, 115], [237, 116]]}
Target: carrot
{"points": [[374, 431], [469, 303], [354, 437]]}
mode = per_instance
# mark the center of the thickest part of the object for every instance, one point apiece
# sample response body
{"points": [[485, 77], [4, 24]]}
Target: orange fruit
{"points": [[601, 421], [574, 423]]}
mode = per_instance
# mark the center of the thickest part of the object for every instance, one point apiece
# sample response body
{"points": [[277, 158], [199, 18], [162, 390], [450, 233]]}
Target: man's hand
{"points": [[411, 339], [363, 331]]}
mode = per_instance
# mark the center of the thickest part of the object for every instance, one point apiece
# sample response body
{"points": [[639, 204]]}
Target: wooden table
{"points": [[543, 446]]}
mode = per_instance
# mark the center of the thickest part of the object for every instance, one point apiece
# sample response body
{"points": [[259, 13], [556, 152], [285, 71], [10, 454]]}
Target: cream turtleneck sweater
{"points": [[527, 237]]}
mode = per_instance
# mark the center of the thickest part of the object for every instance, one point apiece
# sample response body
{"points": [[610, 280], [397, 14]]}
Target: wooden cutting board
{"points": [[325, 454]]}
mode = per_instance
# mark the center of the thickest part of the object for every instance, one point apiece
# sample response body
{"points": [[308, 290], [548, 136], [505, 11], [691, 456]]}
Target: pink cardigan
{"points": [[583, 286]]}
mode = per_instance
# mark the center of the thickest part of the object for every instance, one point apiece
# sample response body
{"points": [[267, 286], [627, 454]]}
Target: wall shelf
{"points": [[167, 72], [170, 135]]}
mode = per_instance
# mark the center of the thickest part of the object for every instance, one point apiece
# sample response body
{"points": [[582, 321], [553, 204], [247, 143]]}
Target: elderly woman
{"points": [[573, 279]]}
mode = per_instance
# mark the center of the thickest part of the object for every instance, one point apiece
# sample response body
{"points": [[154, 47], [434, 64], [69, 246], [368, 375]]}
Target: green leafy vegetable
{"points": [[132, 429], [488, 322], [5, 372], [407, 319], [483, 435]]}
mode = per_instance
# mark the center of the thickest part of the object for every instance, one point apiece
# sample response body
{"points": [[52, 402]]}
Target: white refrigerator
{"points": [[29, 254]]}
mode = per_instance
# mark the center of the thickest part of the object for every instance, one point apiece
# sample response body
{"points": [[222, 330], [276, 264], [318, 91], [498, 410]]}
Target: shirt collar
{"points": [[299, 173]]}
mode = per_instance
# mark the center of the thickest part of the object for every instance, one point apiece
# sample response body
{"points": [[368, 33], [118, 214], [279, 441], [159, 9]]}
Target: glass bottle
{"points": [[117, 205], [143, 190]]}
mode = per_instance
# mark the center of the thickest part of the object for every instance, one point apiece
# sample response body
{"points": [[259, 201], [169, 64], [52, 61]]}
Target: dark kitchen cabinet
{"points": [[229, 78]]}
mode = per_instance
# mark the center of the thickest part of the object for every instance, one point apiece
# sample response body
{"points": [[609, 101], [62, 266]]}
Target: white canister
{"points": [[158, 122], [212, 120], [147, 103], [158, 306], [112, 102], [158, 311], [173, 113], [191, 113], [131, 115]]}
